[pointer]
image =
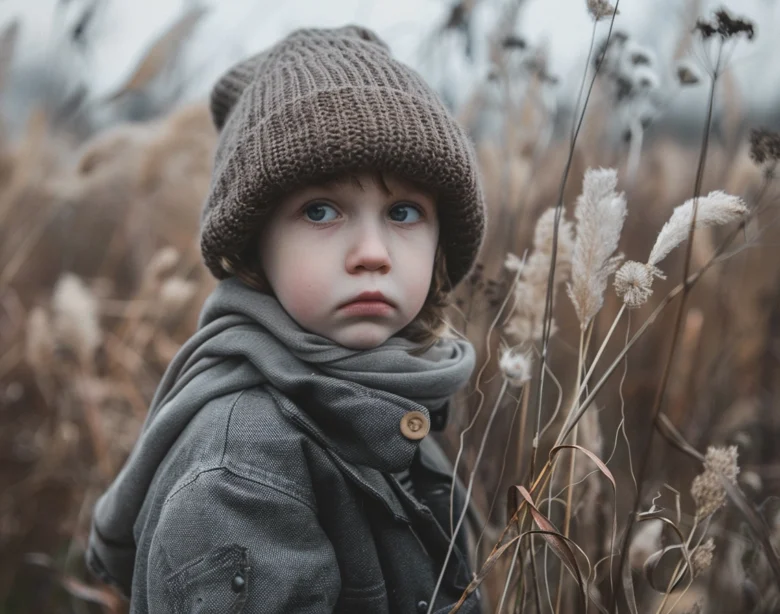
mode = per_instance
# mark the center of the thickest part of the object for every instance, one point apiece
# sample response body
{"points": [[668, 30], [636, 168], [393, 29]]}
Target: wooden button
{"points": [[415, 425]]}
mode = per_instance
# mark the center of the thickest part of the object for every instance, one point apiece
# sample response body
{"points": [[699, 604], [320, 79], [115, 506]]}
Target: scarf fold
{"points": [[351, 401]]}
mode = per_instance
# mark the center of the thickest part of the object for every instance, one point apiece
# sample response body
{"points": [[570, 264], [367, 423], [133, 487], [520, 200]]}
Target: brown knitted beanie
{"points": [[324, 102]]}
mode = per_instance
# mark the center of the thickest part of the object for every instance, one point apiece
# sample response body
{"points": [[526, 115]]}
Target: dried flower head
{"points": [[687, 74], [701, 557], [707, 489], [715, 209], [764, 145], [515, 366], [725, 26], [76, 324], [634, 283], [600, 9], [600, 213]]}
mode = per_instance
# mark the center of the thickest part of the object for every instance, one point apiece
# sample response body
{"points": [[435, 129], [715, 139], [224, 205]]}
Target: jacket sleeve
{"points": [[227, 543]]}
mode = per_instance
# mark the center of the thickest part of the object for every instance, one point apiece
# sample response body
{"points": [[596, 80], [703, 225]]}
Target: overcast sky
{"points": [[233, 29]]}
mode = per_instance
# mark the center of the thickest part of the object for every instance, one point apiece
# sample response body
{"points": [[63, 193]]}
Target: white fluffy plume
{"points": [[715, 209], [600, 213], [530, 292]]}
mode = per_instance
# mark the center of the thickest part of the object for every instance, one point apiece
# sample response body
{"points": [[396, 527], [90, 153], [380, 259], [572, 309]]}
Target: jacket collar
{"points": [[362, 430]]}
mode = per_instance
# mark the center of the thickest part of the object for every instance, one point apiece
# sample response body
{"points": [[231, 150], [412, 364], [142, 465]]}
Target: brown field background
{"points": [[101, 281]]}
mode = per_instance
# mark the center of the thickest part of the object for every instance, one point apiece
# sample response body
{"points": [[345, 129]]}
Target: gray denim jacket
{"points": [[263, 480]]}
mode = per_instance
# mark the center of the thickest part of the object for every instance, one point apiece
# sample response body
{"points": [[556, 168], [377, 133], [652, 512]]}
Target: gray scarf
{"points": [[349, 400]]}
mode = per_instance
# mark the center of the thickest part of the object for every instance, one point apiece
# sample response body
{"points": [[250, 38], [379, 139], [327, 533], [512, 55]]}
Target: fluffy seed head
{"points": [[600, 9], [515, 366], [634, 283], [707, 489], [701, 558], [600, 213], [76, 324], [530, 293], [715, 209]]}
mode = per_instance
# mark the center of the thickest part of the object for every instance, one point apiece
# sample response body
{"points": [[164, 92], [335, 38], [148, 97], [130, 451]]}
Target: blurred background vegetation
{"points": [[101, 278]]}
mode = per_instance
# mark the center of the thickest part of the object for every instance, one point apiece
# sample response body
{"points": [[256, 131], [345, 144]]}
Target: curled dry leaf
{"points": [[558, 543], [654, 559]]}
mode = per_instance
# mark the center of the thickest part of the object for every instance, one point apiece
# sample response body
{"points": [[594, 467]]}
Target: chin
{"points": [[363, 337]]}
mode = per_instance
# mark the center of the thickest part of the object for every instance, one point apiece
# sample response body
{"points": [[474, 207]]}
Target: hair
{"points": [[428, 326]]}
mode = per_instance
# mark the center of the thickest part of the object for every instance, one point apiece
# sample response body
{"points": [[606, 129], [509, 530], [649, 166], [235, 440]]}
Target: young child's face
{"points": [[326, 244]]}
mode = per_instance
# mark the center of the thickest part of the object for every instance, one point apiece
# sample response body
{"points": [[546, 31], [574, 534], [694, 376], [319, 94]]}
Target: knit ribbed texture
{"points": [[325, 102]]}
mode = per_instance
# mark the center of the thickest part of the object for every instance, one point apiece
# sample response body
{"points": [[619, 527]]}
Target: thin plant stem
{"points": [[520, 403], [582, 385], [509, 577], [572, 461], [547, 319], [468, 493], [660, 392], [481, 394], [573, 134], [521, 435]]}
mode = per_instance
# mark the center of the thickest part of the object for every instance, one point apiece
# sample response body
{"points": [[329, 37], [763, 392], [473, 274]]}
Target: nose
{"points": [[369, 252]]}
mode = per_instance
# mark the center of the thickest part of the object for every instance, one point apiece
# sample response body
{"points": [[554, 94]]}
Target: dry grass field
{"points": [[618, 437]]}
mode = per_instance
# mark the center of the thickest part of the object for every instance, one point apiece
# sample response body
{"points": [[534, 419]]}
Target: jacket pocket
{"points": [[217, 583]]}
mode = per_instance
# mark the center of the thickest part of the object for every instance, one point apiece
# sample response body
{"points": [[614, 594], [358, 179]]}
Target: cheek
{"points": [[301, 279], [420, 285], [418, 272]]}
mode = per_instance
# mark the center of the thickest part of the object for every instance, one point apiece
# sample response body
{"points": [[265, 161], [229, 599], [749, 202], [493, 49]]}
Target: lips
{"points": [[369, 297]]}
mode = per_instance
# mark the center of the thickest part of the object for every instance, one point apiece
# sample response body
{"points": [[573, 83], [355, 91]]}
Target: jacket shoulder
{"points": [[257, 441]]}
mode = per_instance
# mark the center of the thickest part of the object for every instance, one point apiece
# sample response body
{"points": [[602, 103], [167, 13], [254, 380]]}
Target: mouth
{"points": [[368, 304]]}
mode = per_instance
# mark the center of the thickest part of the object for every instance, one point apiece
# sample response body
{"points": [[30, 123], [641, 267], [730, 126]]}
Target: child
{"points": [[284, 465]]}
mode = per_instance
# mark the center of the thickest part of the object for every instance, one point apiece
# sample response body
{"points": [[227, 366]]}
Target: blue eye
{"points": [[405, 213], [317, 212]]}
